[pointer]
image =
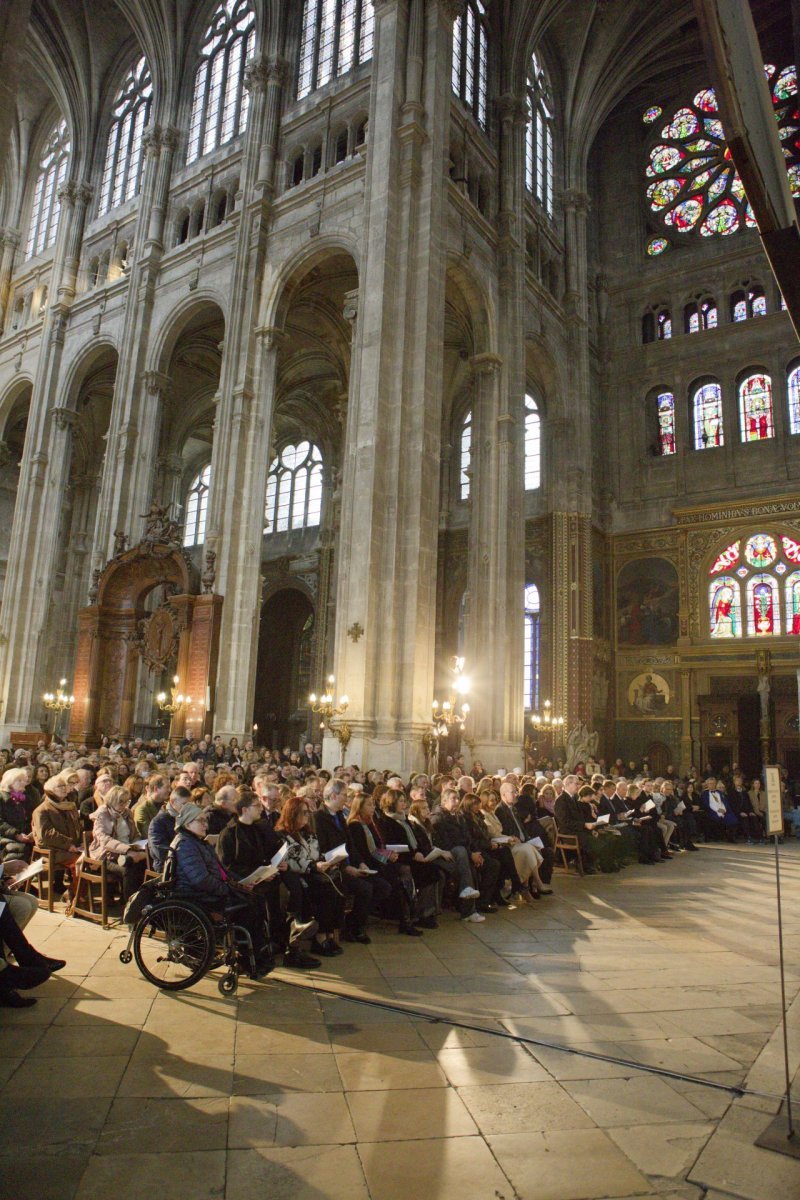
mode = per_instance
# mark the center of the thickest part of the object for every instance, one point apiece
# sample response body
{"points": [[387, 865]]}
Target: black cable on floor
{"points": [[444, 1019]]}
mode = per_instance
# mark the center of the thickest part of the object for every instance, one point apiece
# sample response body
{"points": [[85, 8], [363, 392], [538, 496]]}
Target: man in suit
{"points": [[571, 820], [517, 816], [367, 891]]}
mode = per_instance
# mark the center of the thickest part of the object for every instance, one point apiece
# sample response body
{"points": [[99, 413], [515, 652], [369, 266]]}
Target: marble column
{"points": [[9, 240]]}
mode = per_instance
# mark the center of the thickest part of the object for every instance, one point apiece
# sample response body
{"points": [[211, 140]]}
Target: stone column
{"points": [[9, 239], [386, 576], [14, 17], [136, 411], [43, 474], [240, 454], [687, 753]]}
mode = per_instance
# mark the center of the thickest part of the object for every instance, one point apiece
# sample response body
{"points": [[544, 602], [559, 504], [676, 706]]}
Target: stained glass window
{"points": [[652, 114], [539, 137], [748, 301], [130, 116], [727, 559], [664, 325], [294, 489], [763, 606], [725, 607], [707, 412], [760, 550], [657, 246], [665, 408], [691, 180], [220, 100], [792, 591], [46, 204], [471, 59], [755, 408], [791, 549], [532, 647], [700, 315], [194, 529], [465, 457], [337, 36], [533, 445], [793, 384]]}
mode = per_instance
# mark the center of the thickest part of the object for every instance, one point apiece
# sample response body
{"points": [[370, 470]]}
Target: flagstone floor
{"points": [[111, 1089]]}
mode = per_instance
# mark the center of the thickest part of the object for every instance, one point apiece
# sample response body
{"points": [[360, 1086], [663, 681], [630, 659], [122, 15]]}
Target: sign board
{"points": [[772, 785]]}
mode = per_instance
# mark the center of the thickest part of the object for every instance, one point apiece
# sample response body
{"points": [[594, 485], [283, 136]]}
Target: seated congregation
{"points": [[309, 857]]}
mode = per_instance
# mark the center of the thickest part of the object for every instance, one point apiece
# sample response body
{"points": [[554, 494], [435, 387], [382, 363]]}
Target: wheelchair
{"points": [[176, 942]]}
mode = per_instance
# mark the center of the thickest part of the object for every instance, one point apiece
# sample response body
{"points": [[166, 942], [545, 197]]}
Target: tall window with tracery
{"points": [[337, 37], [539, 137], [465, 457], [471, 59], [130, 115], [755, 408], [220, 100], [533, 445], [530, 673], [754, 588], [665, 414], [294, 489], [793, 386], [194, 528], [46, 204], [707, 416]]}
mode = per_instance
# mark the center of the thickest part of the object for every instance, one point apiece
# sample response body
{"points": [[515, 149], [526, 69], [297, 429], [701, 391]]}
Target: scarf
{"points": [[403, 820]]}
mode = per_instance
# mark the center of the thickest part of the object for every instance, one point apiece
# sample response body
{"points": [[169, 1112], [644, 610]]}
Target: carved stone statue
{"points": [[581, 744], [763, 695], [120, 542], [158, 528], [210, 574]]}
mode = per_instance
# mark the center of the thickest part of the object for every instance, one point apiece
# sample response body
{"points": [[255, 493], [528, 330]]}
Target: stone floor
{"points": [[111, 1089]]}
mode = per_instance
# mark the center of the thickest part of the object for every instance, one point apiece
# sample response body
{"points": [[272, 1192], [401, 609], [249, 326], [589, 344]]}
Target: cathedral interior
{"points": [[340, 339]]}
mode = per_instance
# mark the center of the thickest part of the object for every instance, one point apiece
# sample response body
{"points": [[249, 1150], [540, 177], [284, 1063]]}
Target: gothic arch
{"points": [[179, 319], [277, 293], [84, 361]]}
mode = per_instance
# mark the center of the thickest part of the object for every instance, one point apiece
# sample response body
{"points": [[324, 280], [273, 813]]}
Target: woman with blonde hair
{"points": [[113, 839], [18, 799]]}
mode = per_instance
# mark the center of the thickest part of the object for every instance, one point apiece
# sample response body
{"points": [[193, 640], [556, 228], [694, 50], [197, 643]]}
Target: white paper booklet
{"points": [[398, 848], [338, 852], [606, 817], [34, 868], [280, 855], [260, 875], [435, 853], [537, 842]]}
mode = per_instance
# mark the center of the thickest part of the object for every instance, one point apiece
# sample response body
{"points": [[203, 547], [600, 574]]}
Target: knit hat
{"points": [[190, 812]]}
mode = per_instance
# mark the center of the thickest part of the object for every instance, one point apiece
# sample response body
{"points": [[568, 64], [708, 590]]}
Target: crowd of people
{"points": [[343, 846]]}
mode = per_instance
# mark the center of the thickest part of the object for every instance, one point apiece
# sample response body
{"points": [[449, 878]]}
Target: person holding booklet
{"points": [[359, 881], [323, 894], [501, 822], [398, 831], [368, 845]]}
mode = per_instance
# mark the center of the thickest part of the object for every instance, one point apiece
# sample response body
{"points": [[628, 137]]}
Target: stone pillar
{"points": [[43, 474], [9, 240], [687, 753], [386, 574], [243, 424], [134, 427], [14, 17]]}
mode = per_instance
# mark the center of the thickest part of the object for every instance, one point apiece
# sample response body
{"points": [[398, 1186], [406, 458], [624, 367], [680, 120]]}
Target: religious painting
{"points": [[650, 695], [647, 603]]}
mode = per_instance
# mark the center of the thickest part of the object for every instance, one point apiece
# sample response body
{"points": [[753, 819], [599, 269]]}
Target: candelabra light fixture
{"points": [[454, 710], [327, 708], [176, 700], [546, 721], [58, 702]]}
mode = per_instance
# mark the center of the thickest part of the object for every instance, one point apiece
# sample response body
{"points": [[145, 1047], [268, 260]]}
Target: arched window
{"points": [[700, 315], [337, 37], [707, 416], [763, 605], [665, 414], [755, 408], [539, 137], [656, 325], [533, 445], [465, 457], [725, 607], [220, 100], [793, 603], [294, 489], [793, 385], [46, 204], [130, 116], [531, 665], [748, 301], [471, 59], [194, 529]]}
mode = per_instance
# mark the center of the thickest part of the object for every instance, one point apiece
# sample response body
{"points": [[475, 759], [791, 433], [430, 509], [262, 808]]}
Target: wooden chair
{"points": [[92, 873], [149, 873], [45, 882], [568, 843]]}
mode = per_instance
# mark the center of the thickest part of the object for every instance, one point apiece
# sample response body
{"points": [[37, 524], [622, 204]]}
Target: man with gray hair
{"points": [[222, 809]]}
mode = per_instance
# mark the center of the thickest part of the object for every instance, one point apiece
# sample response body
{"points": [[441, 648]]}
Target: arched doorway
{"points": [[283, 672]]}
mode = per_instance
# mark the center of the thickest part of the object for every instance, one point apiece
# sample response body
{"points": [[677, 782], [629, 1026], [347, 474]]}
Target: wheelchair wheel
{"points": [[228, 984], [174, 945], [125, 956]]}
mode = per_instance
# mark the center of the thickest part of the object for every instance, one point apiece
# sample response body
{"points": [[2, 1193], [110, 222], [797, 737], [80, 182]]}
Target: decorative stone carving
{"points": [[94, 587], [355, 632], [159, 529], [65, 418], [157, 637], [209, 575], [120, 542], [737, 512], [581, 744]]}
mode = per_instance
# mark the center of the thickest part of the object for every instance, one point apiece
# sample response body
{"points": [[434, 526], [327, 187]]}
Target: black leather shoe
{"points": [[428, 923], [22, 978], [12, 999], [48, 964], [409, 930], [300, 960], [487, 908]]}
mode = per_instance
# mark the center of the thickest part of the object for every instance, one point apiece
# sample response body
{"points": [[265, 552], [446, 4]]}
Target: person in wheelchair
{"points": [[199, 876]]}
